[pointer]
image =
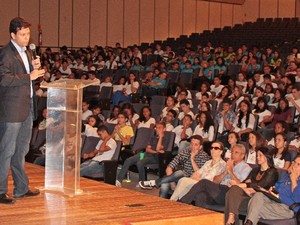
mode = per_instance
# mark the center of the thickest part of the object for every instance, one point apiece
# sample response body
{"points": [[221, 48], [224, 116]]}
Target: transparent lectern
{"points": [[63, 135]]}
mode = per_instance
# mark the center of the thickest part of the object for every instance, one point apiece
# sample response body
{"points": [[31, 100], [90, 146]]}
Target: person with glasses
{"points": [[238, 196], [288, 188], [209, 170], [212, 192]]}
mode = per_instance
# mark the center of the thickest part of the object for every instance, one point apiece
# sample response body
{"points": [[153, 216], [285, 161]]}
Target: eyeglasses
{"points": [[215, 148]]}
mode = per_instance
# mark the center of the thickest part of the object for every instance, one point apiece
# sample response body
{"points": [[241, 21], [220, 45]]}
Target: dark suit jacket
{"points": [[15, 98]]}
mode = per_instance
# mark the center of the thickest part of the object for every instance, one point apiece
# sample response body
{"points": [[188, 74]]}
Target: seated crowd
{"points": [[233, 134]]}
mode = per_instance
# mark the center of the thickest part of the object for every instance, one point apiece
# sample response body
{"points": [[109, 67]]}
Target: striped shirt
{"points": [[183, 161]]}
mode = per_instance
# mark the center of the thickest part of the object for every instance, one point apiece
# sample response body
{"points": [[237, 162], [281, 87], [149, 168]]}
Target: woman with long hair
{"points": [[251, 85], [145, 119], [238, 196], [283, 112], [205, 128], [113, 118], [170, 104], [225, 93], [256, 141], [282, 158], [261, 109], [244, 122], [274, 101]]}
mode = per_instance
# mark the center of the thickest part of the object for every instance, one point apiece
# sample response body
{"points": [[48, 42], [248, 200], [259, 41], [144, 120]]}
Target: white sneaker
{"points": [[118, 184], [147, 184]]}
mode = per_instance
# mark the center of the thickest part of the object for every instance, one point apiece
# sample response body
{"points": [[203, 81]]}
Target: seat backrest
{"points": [[256, 122], [174, 76], [138, 106], [186, 78], [89, 144], [93, 89], [171, 137], [142, 136], [40, 139], [156, 110], [41, 103], [33, 135], [106, 93], [158, 100], [117, 151], [110, 127]]}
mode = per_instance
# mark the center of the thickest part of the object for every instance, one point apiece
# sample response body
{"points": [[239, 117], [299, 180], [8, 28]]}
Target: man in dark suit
{"points": [[18, 70]]}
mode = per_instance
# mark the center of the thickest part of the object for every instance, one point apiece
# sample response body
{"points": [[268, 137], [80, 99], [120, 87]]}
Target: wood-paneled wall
{"points": [[79, 23]]}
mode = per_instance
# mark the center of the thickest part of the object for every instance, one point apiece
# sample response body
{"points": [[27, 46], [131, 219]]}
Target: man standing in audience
{"points": [[104, 150], [17, 108], [183, 165], [207, 192]]}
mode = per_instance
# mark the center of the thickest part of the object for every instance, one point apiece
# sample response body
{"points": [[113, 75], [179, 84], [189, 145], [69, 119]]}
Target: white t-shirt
{"points": [[251, 158], [295, 142], [199, 95], [243, 125], [262, 114], [169, 127], [90, 131], [165, 111], [210, 134], [118, 87], [105, 84], [135, 117], [178, 130], [182, 114], [215, 89], [128, 86], [107, 155], [86, 114], [147, 123]]}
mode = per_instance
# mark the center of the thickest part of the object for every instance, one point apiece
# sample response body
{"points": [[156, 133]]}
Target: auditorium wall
{"points": [[79, 23]]}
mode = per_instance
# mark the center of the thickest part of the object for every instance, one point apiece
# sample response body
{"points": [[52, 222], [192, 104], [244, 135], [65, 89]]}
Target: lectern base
{"points": [[64, 191]]}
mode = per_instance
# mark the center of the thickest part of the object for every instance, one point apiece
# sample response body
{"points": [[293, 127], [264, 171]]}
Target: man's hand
{"points": [[36, 74], [36, 63], [229, 165]]}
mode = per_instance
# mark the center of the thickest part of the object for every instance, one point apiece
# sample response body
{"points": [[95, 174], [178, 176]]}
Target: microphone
{"points": [[33, 50]]}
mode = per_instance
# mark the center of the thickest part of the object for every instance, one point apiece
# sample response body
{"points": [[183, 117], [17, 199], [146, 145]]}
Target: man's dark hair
{"points": [[227, 100], [173, 112], [184, 101], [102, 128], [17, 24], [197, 137], [267, 76]]}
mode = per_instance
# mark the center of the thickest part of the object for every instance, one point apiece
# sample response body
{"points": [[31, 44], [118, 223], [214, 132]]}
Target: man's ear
{"points": [[13, 35]]}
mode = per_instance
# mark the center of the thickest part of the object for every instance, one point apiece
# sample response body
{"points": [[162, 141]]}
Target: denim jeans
{"points": [[135, 160], [119, 96], [14, 145], [91, 168], [165, 182]]}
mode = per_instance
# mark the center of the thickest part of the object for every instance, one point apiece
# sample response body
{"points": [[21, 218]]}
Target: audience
{"points": [[265, 88]]}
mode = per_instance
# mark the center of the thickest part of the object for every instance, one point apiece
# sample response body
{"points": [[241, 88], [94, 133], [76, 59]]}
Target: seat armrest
{"points": [[294, 205]]}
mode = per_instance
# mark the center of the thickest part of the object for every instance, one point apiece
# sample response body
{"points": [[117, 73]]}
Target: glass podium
{"points": [[63, 135]]}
